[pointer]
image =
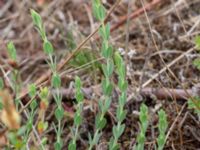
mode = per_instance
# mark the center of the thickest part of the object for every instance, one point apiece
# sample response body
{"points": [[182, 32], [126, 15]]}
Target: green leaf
{"points": [[118, 130], [97, 2], [12, 137], [107, 104], [143, 127], [43, 125], [100, 122], [121, 130], [121, 114], [77, 82], [21, 131], [111, 142], [104, 70], [29, 124], [46, 125], [77, 119], [47, 47], [197, 41], [116, 147], [104, 48], [1, 103], [118, 59], [33, 104], [194, 103], [96, 138], [95, 10], [36, 19], [114, 130], [196, 63], [122, 84], [110, 67], [56, 81], [44, 93], [1, 84], [101, 106], [102, 33], [162, 124], [107, 87], [44, 140], [89, 138], [141, 138], [107, 31], [143, 113], [58, 145], [101, 13], [160, 142], [79, 97], [72, 146], [12, 51], [122, 99], [59, 113], [109, 52], [122, 71], [104, 105], [32, 90], [112, 146]]}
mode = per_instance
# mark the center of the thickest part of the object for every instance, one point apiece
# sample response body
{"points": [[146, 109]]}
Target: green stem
{"points": [[76, 134]]}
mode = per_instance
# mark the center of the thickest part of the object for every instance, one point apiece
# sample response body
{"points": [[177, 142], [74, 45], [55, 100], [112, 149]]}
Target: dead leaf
{"points": [[40, 2], [9, 116]]}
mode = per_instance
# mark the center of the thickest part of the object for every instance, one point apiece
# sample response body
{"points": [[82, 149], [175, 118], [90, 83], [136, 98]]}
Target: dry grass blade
{"points": [[9, 116]]}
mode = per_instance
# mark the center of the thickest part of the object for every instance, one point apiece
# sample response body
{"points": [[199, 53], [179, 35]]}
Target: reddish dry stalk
{"points": [[135, 14]]}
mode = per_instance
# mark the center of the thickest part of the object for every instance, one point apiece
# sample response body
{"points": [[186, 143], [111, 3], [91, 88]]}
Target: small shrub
{"points": [[162, 127]]}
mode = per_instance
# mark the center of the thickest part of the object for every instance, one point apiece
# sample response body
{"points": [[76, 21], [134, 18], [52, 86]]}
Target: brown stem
{"points": [[159, 93], [165, 93]]}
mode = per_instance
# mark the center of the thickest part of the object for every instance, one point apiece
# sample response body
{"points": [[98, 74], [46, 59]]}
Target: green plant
{"points": [[15, 76], [196, 62], [55, 80], [194, 103], [121, 113], [106, 52], [162, 127], [26, 129], [15, 133], [1, 84], [78, 119], [1, 88], [143, 127], [108, 67], [12, 51]]}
